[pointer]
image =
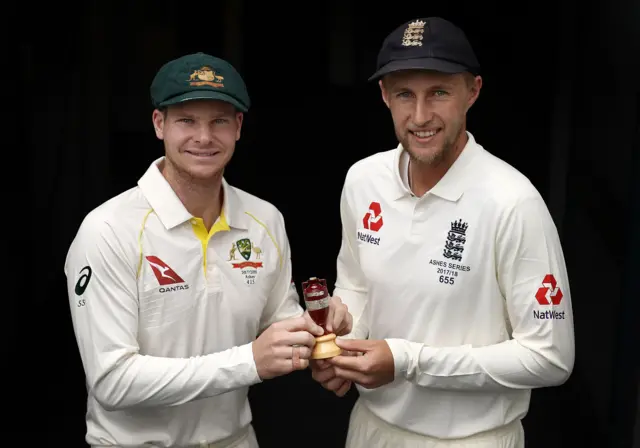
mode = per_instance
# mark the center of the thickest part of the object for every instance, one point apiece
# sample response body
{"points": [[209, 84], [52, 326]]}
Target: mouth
{"points": [[425, 136], [202, 154]]}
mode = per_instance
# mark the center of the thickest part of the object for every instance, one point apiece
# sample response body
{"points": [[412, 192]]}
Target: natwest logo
{"points": [[372, 221], [549, 294], [373, 218], [165, 275]]}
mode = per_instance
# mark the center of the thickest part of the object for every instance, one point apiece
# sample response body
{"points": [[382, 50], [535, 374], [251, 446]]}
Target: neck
{"points": [[424, 176], [203, 199]]}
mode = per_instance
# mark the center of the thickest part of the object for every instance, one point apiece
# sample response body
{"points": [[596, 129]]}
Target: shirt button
{"points": [[193, 221]]}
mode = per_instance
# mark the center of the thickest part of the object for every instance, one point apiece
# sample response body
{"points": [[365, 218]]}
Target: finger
{"points": [[297, 338], [286, 352], [322, 376], [300, 357], [320, 364], [333, 384], [346, 324], [354, 345], [344, 389], [329, 325], [304, 363], [303, 352], [295, 358], [338, 320], [352, 375], [302, 323], [354, 363]]}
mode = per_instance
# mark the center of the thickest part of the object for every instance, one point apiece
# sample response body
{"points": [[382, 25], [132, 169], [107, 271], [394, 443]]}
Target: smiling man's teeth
{"points": [[203, 154], [424, 134]]}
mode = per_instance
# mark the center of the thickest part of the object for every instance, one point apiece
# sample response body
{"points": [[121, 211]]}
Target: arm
{"points": [[105, 321], [283, 302], [541, 351], [351, 284]]}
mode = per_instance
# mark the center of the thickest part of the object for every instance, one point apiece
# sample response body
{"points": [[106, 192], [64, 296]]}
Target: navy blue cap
{"points": [[430, 43]]}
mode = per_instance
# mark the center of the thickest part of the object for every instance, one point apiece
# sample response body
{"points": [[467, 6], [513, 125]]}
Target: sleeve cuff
{"points": [[401, 352], [250, 373]]}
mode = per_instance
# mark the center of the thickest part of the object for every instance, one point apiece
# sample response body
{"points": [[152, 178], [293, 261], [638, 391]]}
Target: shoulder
{"points": [[508, 195], [502, 183], [114, 223]]}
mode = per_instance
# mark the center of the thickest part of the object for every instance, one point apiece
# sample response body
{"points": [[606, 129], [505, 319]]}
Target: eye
{"points": [[221, 121], [186, 120], [404, 94], [441, 93]]}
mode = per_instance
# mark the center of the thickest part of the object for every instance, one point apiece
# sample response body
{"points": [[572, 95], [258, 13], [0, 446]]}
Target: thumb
{"points": [[354, 345]]}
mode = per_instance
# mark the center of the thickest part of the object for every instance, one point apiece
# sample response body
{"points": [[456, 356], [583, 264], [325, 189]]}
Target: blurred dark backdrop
{"points": [[559, 102]]}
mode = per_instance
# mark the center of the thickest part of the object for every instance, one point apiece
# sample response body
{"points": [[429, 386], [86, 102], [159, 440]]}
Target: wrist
{"points": [[254, 362], [401, 355]]}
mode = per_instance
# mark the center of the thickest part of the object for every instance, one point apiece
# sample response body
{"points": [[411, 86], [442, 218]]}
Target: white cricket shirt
{"points": [[467, 284], [165, 312]]}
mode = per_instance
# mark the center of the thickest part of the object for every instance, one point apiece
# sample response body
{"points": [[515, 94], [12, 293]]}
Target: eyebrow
{"points": [[438, 86]]}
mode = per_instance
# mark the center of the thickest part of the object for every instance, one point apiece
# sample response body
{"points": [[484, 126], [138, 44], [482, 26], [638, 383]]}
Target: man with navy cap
{"points": [[180, 288], [450, 265]]}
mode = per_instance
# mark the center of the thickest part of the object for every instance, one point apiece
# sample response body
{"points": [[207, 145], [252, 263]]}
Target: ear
{"points": [[474, 91], [385, 93], [239, 120], [158, 123]]}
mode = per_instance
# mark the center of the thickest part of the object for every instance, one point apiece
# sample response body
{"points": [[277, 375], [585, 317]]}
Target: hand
{"points": [[285, 346], [373, 369], [323, 372], [339, 320]]}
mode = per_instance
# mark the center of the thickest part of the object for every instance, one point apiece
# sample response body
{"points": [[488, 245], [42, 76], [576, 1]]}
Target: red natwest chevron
{"points": [[373, 218], [549, 294]]}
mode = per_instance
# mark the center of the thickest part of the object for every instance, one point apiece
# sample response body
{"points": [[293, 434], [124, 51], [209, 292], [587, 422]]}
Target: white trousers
{"points": [[245, 438], [367, 430]]}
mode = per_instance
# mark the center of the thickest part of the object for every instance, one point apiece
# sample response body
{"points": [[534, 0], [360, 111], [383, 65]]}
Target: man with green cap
{"points": [[180, 288]]}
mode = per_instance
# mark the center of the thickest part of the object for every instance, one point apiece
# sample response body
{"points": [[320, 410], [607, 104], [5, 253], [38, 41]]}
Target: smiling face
{"points": [[429, 111], [199, 137]]}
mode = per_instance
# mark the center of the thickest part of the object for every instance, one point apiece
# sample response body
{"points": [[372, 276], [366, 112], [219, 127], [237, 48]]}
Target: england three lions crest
{"points": [[454, 244]]}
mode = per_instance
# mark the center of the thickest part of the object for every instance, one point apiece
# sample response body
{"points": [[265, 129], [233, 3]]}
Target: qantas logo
{"points": [[165, 275]]}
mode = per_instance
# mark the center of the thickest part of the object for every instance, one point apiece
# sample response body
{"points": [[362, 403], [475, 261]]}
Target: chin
{"points": [[204, 172], [426, 155]]}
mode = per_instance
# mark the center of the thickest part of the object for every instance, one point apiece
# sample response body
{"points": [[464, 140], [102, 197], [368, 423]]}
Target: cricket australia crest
{"points": [[248, 268]]}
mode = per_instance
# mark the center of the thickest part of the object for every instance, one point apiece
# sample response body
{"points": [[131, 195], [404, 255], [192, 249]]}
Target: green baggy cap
{"points": [[199, 76]]}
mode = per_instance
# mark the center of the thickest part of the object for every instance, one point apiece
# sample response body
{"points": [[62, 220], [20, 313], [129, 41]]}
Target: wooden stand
{"points": [[325, 347]]}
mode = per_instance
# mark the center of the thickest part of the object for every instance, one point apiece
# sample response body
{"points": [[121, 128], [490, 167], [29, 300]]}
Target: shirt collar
{"points": [[451, 186], [170, 209]]}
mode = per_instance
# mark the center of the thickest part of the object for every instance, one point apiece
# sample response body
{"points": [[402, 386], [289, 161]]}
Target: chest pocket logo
{"points": [[454, 244], [248, 268]]}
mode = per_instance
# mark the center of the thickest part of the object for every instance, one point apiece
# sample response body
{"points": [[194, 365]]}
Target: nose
{"points": [[203, 135], [422, 113]]}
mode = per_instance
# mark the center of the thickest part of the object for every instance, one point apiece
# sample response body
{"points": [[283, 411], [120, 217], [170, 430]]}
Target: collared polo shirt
{"points": [[165, 312], [467, 284]]}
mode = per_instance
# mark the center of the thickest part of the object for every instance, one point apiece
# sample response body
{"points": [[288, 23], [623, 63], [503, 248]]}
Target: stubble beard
{"points": [[191, 179], [432, 158]]}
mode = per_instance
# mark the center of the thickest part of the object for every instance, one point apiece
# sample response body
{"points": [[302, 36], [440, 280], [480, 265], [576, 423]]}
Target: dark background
{"points": [[559, 102]]}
